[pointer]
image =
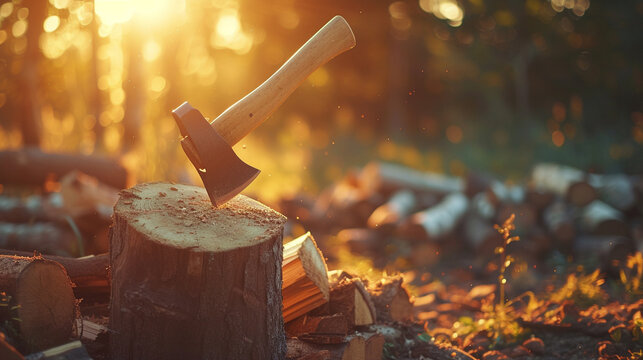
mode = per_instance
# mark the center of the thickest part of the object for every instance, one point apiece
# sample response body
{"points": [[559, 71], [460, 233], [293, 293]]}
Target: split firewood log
{"points": [[305, 280], [362, 241], [388, 178], [359, 346], [90, 274], [34, 167], [484, 206], [336, 324], [346, 204], [297, 207], [481, 236], [539, 198], [396, 209], [598, 218], [45, 301], [564, 181], [348, 297], [391, 300], [82, 194], [513, 194], [558, 219], [616, 190], [437, 221], [610, 251], [45, 237], [179, 263], [526, 216]]}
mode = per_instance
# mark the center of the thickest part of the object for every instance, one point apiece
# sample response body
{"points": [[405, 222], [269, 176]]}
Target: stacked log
{"points": [[73, 221], [43, 298], [424, 213]]}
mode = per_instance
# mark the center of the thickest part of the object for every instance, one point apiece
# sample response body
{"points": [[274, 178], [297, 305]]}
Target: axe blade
{"points": [[224, 175]]}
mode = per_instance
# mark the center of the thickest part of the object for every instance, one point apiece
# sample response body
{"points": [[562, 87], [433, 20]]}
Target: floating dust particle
{"points": [[162, 194]]}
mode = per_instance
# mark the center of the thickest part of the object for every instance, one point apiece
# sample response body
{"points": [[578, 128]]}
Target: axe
{"points": [[209, 145]]}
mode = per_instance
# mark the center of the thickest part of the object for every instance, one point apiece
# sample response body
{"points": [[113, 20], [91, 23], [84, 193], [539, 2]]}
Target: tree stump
{"points": [[190, 281]]}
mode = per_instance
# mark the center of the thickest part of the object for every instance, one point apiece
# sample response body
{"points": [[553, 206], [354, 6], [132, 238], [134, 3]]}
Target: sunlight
{"points": [[148, 11], [444, 9], [51, 23], [228, 26], [229, 34]]}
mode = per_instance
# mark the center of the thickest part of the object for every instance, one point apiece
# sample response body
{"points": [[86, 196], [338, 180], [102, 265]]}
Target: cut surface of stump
{"points": [[193, 281], [305, 279], [43, 293]]}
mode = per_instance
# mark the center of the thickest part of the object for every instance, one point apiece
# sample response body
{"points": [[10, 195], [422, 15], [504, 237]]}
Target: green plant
{"points": [[637, 327], [8, 315], [631, 276], [501, 312], [499, 319], [583, 290]]}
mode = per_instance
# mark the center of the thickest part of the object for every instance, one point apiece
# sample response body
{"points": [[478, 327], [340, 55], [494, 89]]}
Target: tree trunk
{"points": [[45, 237], [29, 79], [564, 181], [436, 222], [396, 209], [43, 292], [30, 166], [388, 178], [190, 281], [86, 272]]}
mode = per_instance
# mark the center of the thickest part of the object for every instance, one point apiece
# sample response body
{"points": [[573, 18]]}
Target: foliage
{"points": [[637, 327], [388, 351], [583, 290], [504, 324], [505, 260], [8, 316], [631, 276], [499, 320]]}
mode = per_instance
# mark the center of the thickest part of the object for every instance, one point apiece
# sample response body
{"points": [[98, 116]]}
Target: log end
{"points": [[183, 216], [47, 304]]}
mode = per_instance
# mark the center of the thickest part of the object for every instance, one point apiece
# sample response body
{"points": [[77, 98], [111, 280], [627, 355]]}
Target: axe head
{"points": [[224, 175]]}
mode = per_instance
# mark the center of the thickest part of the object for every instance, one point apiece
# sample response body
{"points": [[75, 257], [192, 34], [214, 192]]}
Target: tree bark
{"points": [[29, 79], [190, 281], [45, 237], [87, 273], [396, 209], [43, 292], [436, 222], [564, 181], [30, 166], [392, 301], [387, 178]]}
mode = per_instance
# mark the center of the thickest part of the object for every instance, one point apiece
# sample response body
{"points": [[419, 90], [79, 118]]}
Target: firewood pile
{"points": [[389, 212]]}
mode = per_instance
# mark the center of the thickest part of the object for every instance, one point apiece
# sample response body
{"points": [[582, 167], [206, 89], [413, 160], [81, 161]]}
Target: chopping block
{"points": [[190, 281]]}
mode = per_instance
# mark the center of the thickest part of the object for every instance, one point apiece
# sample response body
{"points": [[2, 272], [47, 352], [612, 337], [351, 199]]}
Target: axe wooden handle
{"points": [[248, 113]]}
